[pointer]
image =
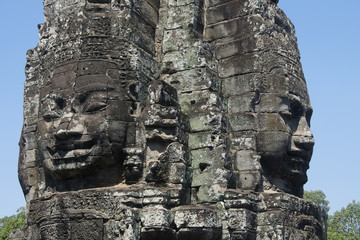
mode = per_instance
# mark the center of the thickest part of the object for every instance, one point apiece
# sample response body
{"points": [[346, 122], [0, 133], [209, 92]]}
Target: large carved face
{"points": [[85, 120], [285, 141]]}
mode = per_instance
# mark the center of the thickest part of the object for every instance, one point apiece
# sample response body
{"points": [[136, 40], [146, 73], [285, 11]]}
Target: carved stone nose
{"points": [[69, 127], [304, 142], [303, 137], [64, 134]]}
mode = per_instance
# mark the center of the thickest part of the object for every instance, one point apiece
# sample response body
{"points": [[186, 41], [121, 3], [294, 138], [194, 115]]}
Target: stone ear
{"points": [[257, 97], [134, 91]]}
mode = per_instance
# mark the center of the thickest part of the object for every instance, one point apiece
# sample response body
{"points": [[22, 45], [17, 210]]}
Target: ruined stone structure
{"points": [[171, 119]]}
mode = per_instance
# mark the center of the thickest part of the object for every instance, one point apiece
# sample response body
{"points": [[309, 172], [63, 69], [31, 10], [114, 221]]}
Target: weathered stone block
{"points": [[241, 104], [196, 102], [238, 65], [230, 47], [210, 121], [95, 26], [242, 122], [276, 82], [199, 233], [177, 173], [145, 8], [30, 139], [30, 175], [173, 3], [249, 180], [29, 159], [299, 88], [186, 59], [246, 160], [212, 3], [242, 220], [193, 80], [196, 217], [233, 27], [272, 121], [239, 85], [210, 193], [31, 107], [206, 157], [155, 217], [130, 27], [154, 3], [269, 103], [177, 39], [204, 139], [211, 174], [124, 109], [86, 229], [226, 11], [186, 16], [269, 140], [243, 141], [154, 233]]}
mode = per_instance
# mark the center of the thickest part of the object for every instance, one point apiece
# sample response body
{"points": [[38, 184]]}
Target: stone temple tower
{"points": [[166, 119]]}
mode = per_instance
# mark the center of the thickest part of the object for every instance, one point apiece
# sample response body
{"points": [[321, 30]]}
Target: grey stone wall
{"points": [[176, 119]]}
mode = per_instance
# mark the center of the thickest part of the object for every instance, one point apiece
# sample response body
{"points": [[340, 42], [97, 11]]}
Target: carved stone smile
{"points": [[71, 149], [72, 145], [72, 154]]}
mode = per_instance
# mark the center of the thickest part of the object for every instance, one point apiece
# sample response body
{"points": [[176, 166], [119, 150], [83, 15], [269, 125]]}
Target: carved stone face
{"points": [[86, 121], [285, 141]]}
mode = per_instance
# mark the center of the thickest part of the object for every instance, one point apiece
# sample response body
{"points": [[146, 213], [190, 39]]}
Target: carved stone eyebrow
{"points": [[84, 95], [95, 87], [57, 98], [306, 108], [304, 102], [53, 96]]}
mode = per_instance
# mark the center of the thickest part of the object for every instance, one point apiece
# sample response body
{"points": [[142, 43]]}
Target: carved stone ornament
{"points": [[171, 119]]}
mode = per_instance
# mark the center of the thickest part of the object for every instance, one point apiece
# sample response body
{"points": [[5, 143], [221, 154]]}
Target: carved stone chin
{"points": [[165, 120]]}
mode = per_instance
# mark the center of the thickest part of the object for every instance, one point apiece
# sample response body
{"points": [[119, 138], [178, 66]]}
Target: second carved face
{"points": [[285, 141], [86, 121]]}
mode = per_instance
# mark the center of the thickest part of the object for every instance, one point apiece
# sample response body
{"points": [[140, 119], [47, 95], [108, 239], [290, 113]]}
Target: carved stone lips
{"points": [[299, 161], [304, 155], [71, 149], [72, 154], [298, 164], [71, 145]]}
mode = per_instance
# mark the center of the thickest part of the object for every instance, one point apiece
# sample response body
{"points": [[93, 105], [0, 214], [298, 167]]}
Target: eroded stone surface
{"points": [[153, 119]]}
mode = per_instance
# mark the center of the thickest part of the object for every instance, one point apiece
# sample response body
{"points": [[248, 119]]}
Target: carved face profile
{"points": [[86, 120], [285, 141]]}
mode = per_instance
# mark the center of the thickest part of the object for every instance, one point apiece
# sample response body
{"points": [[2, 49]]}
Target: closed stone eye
{"points": [[286, 114], [52, 107], [94, 107], [50, 115]]}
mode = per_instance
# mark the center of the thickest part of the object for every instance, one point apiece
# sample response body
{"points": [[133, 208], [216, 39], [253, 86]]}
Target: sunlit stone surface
{"points": [[173, 119]]}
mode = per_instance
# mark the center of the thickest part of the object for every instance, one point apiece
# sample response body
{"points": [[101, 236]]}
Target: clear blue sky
{"points": [[329, 42]]}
